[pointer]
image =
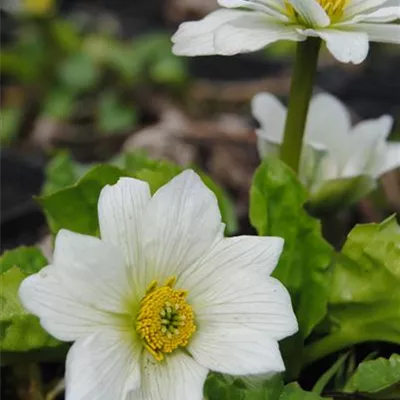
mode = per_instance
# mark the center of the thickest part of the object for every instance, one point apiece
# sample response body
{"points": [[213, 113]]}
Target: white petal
{"points": [[386, 14], [103, 366], [181, 223], [237, 295], [257, 253], [345, 46], [355, 7], [328, 124], [391, 159], [81, 291], [96, 268], [236, 350], [271, 115], [269, 7], [386, 33], [364, 139], [311, 12], [251, 32], [62, 313], [196, 38], [366, 133], [121, 208], [177, 377]]}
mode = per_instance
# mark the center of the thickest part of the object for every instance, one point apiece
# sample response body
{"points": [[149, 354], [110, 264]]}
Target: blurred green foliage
{"points": [[20, 331], [64, 74]]}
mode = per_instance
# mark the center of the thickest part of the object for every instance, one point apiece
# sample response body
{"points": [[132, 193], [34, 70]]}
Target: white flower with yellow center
{"points": [[162, 297], [244, 26], [333, 149]]}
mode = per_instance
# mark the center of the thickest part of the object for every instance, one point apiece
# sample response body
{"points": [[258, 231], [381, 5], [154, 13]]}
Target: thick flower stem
{"points": [[300, 94]]}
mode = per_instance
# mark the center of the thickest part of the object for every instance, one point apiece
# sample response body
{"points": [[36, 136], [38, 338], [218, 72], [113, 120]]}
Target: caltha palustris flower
{"points": [[162, 297], [241, 26]]}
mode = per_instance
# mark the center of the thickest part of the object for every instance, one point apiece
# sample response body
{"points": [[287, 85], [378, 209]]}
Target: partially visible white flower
{"points": [[162, 297], [243, 26], [333, 148]]}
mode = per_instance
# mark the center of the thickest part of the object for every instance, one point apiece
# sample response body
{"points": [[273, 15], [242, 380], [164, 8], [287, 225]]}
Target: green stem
{"points": [[300, 94], [327, 345]]}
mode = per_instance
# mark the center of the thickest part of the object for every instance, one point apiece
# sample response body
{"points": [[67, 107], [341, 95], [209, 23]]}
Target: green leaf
{"points": [[380, 376], [113, 116], [218, 387], [62, 171], [221, 387], [20, 331], [59, 104], [10, 120], [294, 392], [28, 259], [276, 209], [365, 296], [79, 72], [74, 207], [364, 303]]}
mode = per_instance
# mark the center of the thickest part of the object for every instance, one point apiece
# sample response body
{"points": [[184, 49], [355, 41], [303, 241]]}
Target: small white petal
{"points": [[386, 14], [354, 7], [257, 253], [121, 208], [364, 139], [271, 115], [69, 307], [83, 259], [268, 7], [62, 312], [311, 12], [386, 33], [227, 294], [345, 46], [177, 377], [181, 223], [196, 38], [236, 350], [328, 124], [103, 366], [251, 32], [392, 158], [368, 131]]}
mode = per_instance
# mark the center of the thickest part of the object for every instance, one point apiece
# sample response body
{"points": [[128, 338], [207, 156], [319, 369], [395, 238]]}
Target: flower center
{"points": [[333, 8], [165, 320]]}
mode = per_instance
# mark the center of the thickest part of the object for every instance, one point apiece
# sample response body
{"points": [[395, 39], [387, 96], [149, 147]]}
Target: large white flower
{"points": [[333, 149], [244, 26], [162, 297]]}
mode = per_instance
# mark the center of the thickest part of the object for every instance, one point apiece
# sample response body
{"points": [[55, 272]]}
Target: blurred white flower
{"points": [[162, 297], [333, 149], [244, 26]]}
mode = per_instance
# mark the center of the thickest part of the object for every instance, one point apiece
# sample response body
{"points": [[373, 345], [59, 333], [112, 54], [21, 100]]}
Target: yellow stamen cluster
{"points": [[333, 8], [165, 320]]}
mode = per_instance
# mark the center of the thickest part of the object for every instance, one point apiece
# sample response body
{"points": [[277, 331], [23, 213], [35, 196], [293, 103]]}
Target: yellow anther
{"points": [[333, 8], [162, 310]]}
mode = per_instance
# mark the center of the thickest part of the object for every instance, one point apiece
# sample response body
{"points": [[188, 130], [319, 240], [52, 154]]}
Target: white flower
{"points": [[248, 25], [162, 297], [333, 148]]}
